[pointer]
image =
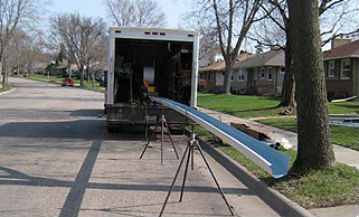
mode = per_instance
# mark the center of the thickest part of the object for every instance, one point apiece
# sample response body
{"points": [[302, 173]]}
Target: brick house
{"points": [[211, 78], [261, 74], [341, 67]]}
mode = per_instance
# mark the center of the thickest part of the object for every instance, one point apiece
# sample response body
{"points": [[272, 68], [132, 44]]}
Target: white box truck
{"points": [[145, 61]]}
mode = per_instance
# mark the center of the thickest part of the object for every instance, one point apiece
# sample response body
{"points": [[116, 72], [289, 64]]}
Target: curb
{"points": [[8, 91], [278, 202]]}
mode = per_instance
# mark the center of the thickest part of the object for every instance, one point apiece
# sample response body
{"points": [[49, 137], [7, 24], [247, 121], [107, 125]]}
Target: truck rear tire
{"points": [[115, 129], [111, 129]]}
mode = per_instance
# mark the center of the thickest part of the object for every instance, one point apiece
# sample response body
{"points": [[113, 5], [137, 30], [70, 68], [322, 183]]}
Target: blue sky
{"points": [[96, 8]]}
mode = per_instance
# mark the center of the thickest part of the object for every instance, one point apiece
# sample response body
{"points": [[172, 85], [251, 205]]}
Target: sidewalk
{"points": [[342, 155]]}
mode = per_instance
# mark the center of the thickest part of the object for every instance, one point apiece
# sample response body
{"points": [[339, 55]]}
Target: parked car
{"points": [[67, 82], [99, 76], [76, 74]]}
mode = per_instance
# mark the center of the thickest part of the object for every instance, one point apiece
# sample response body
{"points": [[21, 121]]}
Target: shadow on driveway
{"points": [[79, 129]]}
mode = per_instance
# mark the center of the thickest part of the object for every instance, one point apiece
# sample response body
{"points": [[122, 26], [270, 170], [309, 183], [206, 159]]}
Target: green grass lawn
{"points": [[58, 80], [311, 188], [3, 89], [344, 136], [240, 105], [259, 106]]}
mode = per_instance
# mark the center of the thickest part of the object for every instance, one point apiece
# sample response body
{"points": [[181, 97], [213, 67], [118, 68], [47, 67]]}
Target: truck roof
{"points": [[152, 33]]}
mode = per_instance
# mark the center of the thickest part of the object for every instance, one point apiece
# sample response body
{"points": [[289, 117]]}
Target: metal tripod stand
{"points": [[192, 144], [164, 124]]}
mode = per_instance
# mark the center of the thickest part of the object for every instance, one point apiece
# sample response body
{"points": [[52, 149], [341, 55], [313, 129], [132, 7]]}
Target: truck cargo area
{"points": [[143, 67], [166, 64]]}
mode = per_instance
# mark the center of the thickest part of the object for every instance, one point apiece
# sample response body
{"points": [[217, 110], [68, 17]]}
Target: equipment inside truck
{"points": [[162, 68]]}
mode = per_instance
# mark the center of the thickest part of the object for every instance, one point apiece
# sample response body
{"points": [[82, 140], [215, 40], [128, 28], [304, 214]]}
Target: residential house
{"points": [[38, 67], [261, 74], [341, 67], [211, 78], [60, 70], [64, 68]]}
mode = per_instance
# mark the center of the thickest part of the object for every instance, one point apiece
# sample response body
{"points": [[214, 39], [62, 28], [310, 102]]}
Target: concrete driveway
{"points": [[56, 159]]}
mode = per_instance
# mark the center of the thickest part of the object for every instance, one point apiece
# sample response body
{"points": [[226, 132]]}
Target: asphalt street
{"points": [[57, 159]]}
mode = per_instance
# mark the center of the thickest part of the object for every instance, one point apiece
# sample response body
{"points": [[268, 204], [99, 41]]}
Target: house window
{"points": [[208, 76], [241, 76], [345, 69], [219, 78], [331, 69], [256, 74], [282, 70], [263, 73], [270, 74]]}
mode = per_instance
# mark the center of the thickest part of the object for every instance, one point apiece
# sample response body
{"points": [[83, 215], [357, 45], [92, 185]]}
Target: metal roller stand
{"points": [[192, 144], [164, 124]]}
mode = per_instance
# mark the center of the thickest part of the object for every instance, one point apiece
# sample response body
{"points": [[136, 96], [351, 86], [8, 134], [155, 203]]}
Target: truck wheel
{"points": [[120, 128], [111, 129], [115, 129]]}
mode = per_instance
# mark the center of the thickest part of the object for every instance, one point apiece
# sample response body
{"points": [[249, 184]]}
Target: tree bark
{"points": [[1, 77], [87, 74], [228, 75], [314, 146], [82, 77], [93, 79], [288, 96], [4, 75]]}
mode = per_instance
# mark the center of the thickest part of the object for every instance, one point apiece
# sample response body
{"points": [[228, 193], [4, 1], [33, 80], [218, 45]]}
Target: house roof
{"points": [[348, 50], [65, 64], [220, 66], [270, 58]]}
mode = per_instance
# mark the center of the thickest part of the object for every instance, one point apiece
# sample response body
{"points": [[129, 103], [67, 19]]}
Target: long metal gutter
{"points": [[344, 120], [274, 162]]}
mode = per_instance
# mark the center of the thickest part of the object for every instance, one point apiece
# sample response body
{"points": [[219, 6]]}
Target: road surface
{"points": [[56, 159]]}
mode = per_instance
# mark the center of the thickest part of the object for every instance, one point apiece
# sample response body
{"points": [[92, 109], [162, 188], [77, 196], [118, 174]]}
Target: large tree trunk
{"points": [[4, 75], [227, 75], [1, 78], [314, 146], [82, 77], [93, 79], [288, 96]]}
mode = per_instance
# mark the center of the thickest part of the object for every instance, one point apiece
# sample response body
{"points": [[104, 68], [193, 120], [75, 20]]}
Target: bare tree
{"points": [[24, 49], [12, 14], [13, 57], [314, 147], [97, 56], [135, 13], [336, 18], [80, 35], [231, 20]]}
